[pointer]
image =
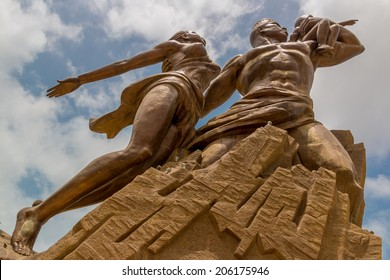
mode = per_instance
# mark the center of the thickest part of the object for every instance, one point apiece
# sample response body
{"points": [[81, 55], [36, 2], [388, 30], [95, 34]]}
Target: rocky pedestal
{"points": [[6, 251], [256, 202]]}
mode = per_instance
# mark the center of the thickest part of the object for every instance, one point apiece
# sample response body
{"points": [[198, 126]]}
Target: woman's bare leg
{"points": [[151, 123], [116, 184]]}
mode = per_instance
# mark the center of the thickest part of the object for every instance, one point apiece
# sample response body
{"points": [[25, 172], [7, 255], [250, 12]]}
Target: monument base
{"points": [[256, 202]]}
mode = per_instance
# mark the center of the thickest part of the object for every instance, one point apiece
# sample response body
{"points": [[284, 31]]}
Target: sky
{"points": [[44, 142]]}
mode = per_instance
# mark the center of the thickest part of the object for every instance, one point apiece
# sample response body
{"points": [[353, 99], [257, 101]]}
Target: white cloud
{"points": [[379, 223], [158, 20], [71, 68], [378, 187], [27, 30]]}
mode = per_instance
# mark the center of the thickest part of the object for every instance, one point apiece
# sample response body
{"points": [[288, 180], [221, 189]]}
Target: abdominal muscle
{"points": [[277, 67]]}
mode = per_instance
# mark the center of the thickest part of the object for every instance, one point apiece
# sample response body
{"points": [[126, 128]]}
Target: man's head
{"points": [[267, 28]]}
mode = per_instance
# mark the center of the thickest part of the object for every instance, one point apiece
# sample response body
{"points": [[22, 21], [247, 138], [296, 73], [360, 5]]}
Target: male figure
{"points": [[275, 78], [163, 109]]}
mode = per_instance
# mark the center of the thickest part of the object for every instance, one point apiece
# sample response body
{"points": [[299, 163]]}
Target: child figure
{"points": [[323, 30]]}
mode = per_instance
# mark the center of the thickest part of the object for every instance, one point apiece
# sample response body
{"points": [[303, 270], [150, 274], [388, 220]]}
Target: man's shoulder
{"points": [[233, 60]]}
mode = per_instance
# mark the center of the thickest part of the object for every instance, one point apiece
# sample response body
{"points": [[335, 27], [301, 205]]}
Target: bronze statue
{"points": [[163, 110], [275, 78]]}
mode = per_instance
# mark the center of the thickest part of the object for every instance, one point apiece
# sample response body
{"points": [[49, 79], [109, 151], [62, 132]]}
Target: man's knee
{"points": [[215, 150]]}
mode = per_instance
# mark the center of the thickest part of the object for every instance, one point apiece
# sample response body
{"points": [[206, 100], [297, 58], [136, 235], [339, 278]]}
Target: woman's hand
{"points": [[64, 87]]}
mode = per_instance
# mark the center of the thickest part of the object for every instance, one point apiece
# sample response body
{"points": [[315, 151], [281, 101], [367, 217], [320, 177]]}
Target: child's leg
{"points": [[334, 32], [323, 29]]}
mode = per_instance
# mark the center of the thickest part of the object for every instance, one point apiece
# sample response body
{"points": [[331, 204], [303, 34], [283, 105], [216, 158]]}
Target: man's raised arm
{"points": [[346, 47]]}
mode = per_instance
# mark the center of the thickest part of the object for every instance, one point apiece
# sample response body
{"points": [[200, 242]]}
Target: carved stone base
{"points": [[6, 251], [254, 203]]}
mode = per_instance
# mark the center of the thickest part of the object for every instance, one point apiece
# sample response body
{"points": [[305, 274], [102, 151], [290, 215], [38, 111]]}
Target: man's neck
{"points": [[267, 41]]}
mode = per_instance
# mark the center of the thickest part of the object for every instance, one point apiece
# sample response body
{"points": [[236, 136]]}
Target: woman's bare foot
{"points": [[26, 231]]}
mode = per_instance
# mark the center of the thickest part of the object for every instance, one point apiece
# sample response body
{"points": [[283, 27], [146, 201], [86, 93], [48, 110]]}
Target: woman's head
{"points": [[182, 37], [188, 36], [178, 35]]}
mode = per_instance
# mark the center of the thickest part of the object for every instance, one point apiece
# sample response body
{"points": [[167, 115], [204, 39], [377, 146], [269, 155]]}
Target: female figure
{"points": [[163, 110]]}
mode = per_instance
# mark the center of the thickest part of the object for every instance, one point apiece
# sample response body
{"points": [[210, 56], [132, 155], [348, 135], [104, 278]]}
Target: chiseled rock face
{"points": [[6, 251], [256, 202]]}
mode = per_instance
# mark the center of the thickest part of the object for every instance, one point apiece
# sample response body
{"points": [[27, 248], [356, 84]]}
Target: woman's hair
{"points": [[263, 22], [179, 34]]}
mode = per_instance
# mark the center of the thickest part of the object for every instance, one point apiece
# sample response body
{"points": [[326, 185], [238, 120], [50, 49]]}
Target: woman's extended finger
{"points": [[55, 91]]}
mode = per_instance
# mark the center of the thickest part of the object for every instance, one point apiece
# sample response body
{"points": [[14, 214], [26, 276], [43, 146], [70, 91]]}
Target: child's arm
{"points": [[348, 22]]}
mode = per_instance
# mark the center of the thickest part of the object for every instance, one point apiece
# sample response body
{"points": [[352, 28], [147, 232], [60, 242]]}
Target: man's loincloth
{"points": [[283, 108], [187, 114]]}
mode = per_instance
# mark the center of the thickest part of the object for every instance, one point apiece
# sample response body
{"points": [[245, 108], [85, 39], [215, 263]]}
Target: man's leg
{"points": [[216, 149], [318, 147]]}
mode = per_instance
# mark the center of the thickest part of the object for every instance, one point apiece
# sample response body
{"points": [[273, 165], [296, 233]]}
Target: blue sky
{"points": [[44, 142]]}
